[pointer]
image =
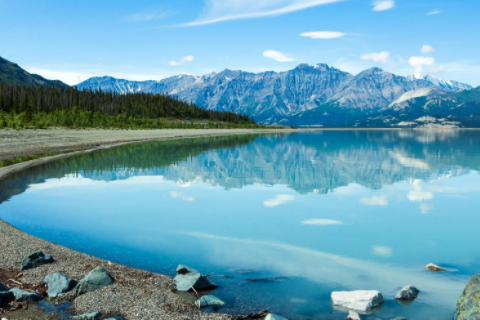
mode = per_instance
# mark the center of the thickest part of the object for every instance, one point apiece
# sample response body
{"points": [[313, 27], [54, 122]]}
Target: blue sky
{"points": [[140, 40]]}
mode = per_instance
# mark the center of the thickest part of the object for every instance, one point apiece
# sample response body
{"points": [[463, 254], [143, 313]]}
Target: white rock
{"points": [[360, 300], [272, 316], [352, 315]]}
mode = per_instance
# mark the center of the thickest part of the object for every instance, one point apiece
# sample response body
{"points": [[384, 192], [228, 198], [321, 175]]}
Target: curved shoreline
{"points": [[136, 294]]}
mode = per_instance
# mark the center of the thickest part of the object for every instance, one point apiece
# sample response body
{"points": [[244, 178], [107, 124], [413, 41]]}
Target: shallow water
{"points": [[332, 210]]}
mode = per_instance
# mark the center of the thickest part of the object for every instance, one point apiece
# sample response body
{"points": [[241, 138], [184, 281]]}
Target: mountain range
{"points": [[315, 96], [12, 73]]}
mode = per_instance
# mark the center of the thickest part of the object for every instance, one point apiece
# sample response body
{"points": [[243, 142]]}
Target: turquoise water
{"points": [[328, 210]]}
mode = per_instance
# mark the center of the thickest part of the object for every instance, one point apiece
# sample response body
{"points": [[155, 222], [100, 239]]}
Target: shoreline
{"points": [[136, 294]]}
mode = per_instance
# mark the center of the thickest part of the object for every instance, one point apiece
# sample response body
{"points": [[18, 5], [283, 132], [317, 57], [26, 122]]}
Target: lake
{"points": [[324, 211]]}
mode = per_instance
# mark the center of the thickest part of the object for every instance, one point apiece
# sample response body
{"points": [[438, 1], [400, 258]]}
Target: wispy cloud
{"points": [[417, 194], [278, 200], [375, 201], [181, 196], [223, 10], [426, 49], [277, 56], [434, 12], [181, 61], [382, 5], [322, 34], [425, 207], [382, 251], [383, 56], [321, 222]]}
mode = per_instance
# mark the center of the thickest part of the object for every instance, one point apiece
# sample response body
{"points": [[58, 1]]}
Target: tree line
{"points": [[22, 105]]}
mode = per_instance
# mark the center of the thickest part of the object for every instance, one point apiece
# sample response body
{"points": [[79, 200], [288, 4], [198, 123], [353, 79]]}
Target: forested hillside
{"points": [[23, 106]]}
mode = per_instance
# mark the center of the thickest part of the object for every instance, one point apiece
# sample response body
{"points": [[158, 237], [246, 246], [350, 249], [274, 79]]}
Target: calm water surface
{"points": [[333, 210]]}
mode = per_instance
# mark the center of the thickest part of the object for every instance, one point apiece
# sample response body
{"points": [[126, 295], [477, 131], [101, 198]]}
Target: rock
{"points": [[87, 316], [36, 259], [21, 295], [58, 283], [360, 300], [187, 278], [352, 315], [209, 301], [272, 316], [399, 318], [407, 293], [468, 306], [5, 295], [434, 267], [96, 279], [115, 318]]}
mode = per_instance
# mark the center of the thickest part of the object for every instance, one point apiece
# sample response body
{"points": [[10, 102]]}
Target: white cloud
{"points": [[418, 195], [382, 251], [146, 16], [419, 64], [425, 207], [322, 34], [278, 200], [182, 61], [434, 12], [408, 161], [181, 196], [377, 57], [69, 77], [322, 222], [382, 5], [426, 49], [375, 201], [277, 56], [223, 10]]}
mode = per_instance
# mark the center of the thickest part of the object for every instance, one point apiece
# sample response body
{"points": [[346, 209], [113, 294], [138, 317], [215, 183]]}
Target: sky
{"points": [[147, 39]]}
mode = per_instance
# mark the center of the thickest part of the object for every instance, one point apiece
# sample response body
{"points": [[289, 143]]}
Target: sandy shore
{"points": [[136, 294]]}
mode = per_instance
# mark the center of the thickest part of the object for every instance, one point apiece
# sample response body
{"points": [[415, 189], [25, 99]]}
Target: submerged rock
{"points": [[188, 278], [22, 296], [468, 306], [36, 259], [407, 293], [399, 318], [209, 301], [96, 279], [272, 316], [87, 316], [352, 315], [58, 283], [360, 300], [434, 268]]}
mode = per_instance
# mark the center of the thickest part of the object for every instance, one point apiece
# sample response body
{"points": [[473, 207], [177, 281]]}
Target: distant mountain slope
{"points": [[278, 97], [13, 74]]}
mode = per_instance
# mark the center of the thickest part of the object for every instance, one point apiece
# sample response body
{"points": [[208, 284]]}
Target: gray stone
{"points": [[360, 300], [407, 293], [96, 279], [272, 316], [188, 278], [209, 301], [87, 316], [352, 315], [468, 306], [434, 268], [115, 318], [59, 283], [21, 295], [36, 259]]}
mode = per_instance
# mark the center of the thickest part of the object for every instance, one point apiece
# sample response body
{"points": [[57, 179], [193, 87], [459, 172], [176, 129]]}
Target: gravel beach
{"points": [[136, 294]]}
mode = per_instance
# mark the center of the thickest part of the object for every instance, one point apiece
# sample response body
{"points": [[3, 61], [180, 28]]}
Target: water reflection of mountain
{"points": [[307, 162]]}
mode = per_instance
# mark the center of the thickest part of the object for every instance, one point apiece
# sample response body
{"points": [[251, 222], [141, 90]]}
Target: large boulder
{"points": [[22, 296], [272, 316], [59, 283], [360, 300], [468, 307], [188, 278], [407, 293], [96, 279], [88, 316], [209, 301], [36, 259]]}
